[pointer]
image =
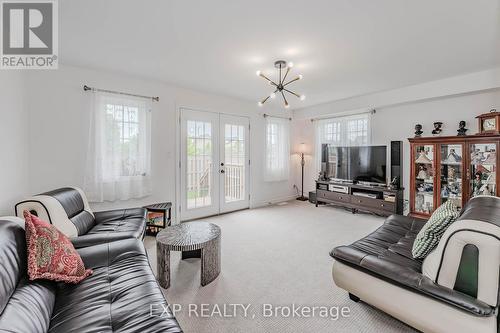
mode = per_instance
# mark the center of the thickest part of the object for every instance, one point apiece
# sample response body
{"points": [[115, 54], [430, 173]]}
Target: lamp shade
{"points": [[302, 148]]}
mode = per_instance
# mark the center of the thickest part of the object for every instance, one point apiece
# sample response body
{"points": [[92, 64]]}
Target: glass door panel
{"points": [[482, 170], [451, 184], [234, 162], [199, 161], [199, 164], [424, 179]]}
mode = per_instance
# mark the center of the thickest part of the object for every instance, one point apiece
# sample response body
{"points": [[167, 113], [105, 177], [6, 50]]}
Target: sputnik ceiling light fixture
{"points": [[281, 86]]}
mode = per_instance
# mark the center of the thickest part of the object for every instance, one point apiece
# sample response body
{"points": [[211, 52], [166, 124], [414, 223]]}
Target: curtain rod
{"points": [[343, 114], [268, 115], [87, 88]]}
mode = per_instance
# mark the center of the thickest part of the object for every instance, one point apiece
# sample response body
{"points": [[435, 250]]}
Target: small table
{"points": [[165, 208], [195, 240]]}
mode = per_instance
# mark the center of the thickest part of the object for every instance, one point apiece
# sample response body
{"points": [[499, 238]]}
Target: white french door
{"points": [[214, 163]]}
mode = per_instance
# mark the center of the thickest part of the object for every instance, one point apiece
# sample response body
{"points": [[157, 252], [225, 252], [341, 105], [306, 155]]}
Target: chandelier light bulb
{"points": [[273, 95], [300, 77], [287, 106], [258, 73], [259, 104], [302, 97], [290, 64]]}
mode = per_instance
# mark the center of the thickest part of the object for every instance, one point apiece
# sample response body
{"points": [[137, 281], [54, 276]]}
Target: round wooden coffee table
{"points": [[195, 240]]}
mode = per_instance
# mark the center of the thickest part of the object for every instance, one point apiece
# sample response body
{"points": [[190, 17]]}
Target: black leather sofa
{"points": [[454, 289], [117, 297], [68, 210]]}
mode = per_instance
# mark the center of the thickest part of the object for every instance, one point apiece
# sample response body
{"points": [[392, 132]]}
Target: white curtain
{"points": [[277, 161], [353, 130], [119, 151]]}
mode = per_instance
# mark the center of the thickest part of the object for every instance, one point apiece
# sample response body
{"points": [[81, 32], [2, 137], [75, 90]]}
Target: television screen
{"points": [[358, 164]]}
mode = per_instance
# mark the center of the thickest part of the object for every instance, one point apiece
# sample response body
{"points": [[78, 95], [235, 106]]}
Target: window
{"points": [[343, 131], [357, 132], [119, 154], [277, 149], [122, 141], [332, 132]]}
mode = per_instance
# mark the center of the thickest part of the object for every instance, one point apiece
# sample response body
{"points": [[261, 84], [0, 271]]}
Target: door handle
{"points": [[222, 164], [222, 171]]}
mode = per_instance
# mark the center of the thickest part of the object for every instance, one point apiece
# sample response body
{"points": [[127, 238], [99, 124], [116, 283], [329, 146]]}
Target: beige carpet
{"points": [[275, 255]]}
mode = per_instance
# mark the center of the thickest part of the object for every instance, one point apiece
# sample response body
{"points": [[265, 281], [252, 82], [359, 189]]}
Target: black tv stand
{"points": [[379, 200]]}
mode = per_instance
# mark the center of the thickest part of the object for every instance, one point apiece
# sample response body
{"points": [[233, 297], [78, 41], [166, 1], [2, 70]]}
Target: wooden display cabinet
{"points": [[451, 168]]}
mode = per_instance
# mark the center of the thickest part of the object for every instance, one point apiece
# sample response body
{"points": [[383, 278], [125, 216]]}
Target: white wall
{"points": [[14, 133], [59, 118], [397, 122]]}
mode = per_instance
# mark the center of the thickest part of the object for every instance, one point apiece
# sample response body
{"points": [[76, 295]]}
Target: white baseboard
{"points": [[263, 203]]}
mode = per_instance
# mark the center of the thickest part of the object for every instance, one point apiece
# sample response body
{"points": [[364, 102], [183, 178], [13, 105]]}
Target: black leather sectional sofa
{"points": [[122, 294], [454, 289], [117, 297]]}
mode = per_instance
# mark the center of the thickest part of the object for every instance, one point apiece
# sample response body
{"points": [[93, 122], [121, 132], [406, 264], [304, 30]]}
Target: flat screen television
{"points": [[363, 164]]}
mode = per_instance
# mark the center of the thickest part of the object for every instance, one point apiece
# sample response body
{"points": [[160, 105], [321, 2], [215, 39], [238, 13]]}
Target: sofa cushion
{"points": [[69, 198], [117, 297], [430, 234], [83, 221], [131, 221], [29, 308], [51, 255], [392, 242], [74, 206], [114, 225], [25, 306]]}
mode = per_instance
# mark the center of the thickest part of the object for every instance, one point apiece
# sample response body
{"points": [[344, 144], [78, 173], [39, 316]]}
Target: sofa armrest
{"points": [[119, 214], [456, 298], [467, 259]]}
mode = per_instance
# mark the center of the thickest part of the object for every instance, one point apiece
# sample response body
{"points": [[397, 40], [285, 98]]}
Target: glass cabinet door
{"points": [[424, 179], [451, 166], [483, 166]]}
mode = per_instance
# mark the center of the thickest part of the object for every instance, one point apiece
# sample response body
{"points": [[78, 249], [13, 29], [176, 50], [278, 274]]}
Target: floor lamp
{"points": [[302, 151]]}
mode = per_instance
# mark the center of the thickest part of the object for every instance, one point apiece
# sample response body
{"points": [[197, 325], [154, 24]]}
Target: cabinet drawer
{"points": [[374, 203], [334, 196], [385, 205]]}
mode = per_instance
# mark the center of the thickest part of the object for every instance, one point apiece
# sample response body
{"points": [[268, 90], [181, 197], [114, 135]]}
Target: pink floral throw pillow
{"points": [[51, 255]]}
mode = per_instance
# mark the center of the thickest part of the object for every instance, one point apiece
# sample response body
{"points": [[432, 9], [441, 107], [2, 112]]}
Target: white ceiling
{"points": [[343, 48]]}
